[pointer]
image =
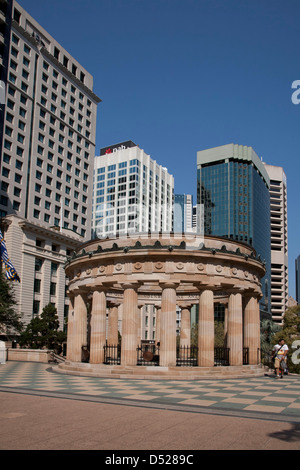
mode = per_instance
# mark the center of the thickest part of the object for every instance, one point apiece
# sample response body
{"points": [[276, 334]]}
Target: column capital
{"points": [[182, 304], [202, 287], [99, 288], [130, 284], [169, 284]]}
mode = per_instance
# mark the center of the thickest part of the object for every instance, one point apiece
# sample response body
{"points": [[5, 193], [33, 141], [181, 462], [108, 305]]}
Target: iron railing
{"points": [[187, 356], [222, 356], [245, 356], [147, 355], [112, 354]]}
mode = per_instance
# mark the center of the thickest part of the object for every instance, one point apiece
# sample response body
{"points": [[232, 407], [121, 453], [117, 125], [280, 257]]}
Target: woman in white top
{"points": [[280, 351]]}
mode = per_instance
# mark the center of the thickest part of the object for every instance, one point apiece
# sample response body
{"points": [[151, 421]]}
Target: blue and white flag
{"points": [[10, 271]]}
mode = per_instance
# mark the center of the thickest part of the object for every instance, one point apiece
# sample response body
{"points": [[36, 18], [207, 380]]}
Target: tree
{"points": [[10, 320], [268, 330], [290, 332], [42, 332]]}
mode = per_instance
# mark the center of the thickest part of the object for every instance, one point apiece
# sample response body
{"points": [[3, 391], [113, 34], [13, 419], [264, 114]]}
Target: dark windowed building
{"points": [[233, 186]]}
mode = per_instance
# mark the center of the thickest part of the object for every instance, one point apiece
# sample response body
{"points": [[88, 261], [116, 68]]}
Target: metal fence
{"points": [[245, 356], [187, 356], [148, 355], [112, 354], [222, 357]]}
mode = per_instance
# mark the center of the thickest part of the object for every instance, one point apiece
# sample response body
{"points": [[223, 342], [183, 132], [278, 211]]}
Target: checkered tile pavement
{"points": [[258, 394]]}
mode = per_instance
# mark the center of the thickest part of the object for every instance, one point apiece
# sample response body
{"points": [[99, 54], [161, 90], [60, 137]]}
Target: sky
{"points": [[179, 76]]}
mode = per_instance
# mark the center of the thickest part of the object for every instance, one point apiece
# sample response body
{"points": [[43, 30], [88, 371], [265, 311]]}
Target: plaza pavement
{"points": [[41, 409]]}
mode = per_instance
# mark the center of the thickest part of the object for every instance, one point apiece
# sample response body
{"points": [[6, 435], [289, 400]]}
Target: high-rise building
{"points": [[297, 266], [47, 143], [49, 127], [132, 193], [183, 213], [279, 242], [233, 186]]}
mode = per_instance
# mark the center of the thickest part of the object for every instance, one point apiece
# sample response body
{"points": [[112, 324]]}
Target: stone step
{"points": [[159, 373]]}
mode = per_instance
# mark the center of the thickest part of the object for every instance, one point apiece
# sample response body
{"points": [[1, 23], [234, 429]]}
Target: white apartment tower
{"points": [[279, 242], [132, 193]]}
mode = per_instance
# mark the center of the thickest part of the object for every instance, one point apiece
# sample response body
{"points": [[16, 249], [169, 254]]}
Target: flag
{"points": [[10, 271]]}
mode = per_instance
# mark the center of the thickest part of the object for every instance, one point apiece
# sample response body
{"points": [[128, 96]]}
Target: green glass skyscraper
{"points": [[233, 187]]}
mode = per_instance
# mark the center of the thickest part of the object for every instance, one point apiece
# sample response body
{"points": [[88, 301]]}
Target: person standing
{"points": [[280, 351]]}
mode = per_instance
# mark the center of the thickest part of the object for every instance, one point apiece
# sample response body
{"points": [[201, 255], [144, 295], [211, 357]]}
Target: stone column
{"points": [[79, 328], [168, 326], [112, 334], [235, 329], [129, 325], [252, 328], [139, 313], [225, 324], [70, 334], [98, 327], [206, 329], [157, 325], [185, 330]]}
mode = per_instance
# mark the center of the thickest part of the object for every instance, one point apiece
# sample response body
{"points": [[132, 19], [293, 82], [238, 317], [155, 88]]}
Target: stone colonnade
{"points": [[242, 324]]}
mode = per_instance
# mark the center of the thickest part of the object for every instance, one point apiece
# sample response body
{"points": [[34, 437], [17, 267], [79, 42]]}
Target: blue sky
{"points": [[178, 76]]}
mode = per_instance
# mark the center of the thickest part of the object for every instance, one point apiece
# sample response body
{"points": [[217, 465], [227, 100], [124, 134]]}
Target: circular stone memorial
{"points": [[120, 275]]}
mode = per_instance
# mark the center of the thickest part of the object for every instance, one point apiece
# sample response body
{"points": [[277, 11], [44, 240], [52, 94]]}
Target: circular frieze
{"points": [[138, 266], [234, 271], [219, 268], [101, 269], [179, 265], [159, 265], [118, 267], [88, 271], [246, 273]]}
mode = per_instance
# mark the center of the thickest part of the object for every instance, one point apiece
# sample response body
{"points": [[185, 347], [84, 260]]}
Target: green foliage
{"points": [[10, 320], [268, 329], [290, 332], [219, 334], [42, 332]]}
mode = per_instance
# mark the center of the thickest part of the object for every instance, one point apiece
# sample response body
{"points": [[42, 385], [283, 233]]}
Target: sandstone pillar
{"points": [[252, 328], [98, 327], [235, 329], [70, 334], [79, 328], [168, 326], [206, 329], [129, 325], [112, 334], [157, 325], [185, 330]]}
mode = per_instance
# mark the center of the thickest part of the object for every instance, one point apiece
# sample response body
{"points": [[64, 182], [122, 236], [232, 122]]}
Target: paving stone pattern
{"points": [[258, 394]]}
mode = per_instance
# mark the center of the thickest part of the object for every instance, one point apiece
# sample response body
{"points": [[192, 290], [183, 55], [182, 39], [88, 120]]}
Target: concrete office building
{"points": [[132, 193], [233, 185], [183, 213], [279, 242], [48, 127]]}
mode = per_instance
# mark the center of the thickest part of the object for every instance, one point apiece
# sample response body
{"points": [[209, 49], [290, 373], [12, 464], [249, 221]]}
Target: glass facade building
{"points": [[233, 187]]}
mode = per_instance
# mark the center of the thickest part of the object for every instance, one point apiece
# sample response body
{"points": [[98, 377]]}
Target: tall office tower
{"points": [[49, 127], [47, 131], [183, 213], [132, 193], [297, 266], [233, 185], [279, 242]]}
